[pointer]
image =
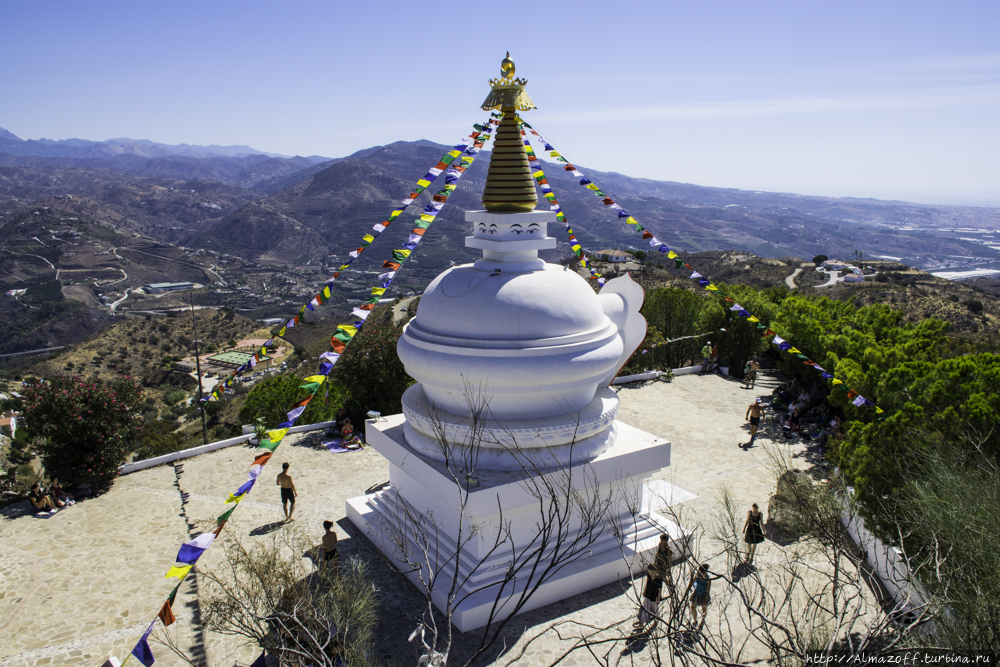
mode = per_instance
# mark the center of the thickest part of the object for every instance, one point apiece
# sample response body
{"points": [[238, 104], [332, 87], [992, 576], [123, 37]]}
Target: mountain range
{"points": [[85, 148], [311, 209]]}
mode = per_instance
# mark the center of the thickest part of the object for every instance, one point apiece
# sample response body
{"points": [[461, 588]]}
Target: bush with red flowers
{"points": [[86, 426]]}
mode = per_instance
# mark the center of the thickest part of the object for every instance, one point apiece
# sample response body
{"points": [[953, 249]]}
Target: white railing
{"points": [[210, 447]]}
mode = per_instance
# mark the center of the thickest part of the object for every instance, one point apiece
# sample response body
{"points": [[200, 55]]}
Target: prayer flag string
{"points": [[854, 397], [193, 549]]}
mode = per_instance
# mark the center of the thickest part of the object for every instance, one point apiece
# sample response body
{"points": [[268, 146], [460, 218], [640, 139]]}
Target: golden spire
{"points": [[509, 185]]}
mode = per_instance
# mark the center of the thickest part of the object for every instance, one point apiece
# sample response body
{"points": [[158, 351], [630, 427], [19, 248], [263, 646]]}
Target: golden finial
{"points": [[507, 93], [507, 67], [509, 185]]}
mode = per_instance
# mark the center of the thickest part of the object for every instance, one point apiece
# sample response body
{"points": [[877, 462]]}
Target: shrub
{"points": [[372, 374], [87, 426], [274, 397], [974, 305], [172, 397], [819, 259]]}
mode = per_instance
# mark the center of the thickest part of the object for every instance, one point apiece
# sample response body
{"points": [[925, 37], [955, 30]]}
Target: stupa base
{"points": [[426, 489]]}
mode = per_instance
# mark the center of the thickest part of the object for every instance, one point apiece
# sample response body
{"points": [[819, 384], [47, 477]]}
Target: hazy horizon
{"points": [[889, 101]]}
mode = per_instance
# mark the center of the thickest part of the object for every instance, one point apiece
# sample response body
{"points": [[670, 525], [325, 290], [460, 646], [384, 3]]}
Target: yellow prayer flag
{"points": [[326, 292], [716, 289], [794, 350], [632, 221], [368, 237], [277, 435], [878, 410], [427, 217], [394, 215], [348, 328], [179, 572], [282, 332], [753, 319], [672, 254], [423, 182], [316, 378], [378, 291], [454, 153], [836, 381], [235, 499]]}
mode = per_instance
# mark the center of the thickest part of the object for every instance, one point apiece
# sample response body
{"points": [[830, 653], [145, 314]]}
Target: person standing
{"points": [[702, 591], [706, 357], [649, 608], [750, 374], [288, 492], [328, 552], [753, 532], [715, 360], [753, 414]]}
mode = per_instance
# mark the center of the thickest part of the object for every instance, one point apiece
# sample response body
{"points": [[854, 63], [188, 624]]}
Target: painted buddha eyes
{"points": [[516, 229], [493, 229], [533, 228], [482, 228]]}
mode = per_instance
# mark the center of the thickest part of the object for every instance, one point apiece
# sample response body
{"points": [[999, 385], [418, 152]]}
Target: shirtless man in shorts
{"points": [[288, 492], [753, 414]]}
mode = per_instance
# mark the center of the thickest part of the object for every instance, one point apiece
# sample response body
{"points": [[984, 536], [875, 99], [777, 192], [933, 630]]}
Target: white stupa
{"points": [[513, 359]]}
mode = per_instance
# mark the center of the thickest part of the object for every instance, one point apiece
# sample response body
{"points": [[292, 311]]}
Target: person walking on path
{"points": [[649, 608], [706, 357], [288, 492], [753, 414], [753, 532], [328, 552], [702, 591], [750, 373]]}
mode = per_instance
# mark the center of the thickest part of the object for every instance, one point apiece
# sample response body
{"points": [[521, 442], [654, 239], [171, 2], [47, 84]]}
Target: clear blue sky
{"points": [[885, 99]]}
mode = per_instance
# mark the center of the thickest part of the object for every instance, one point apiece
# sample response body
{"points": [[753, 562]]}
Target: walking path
{"points": [[82, 585]]}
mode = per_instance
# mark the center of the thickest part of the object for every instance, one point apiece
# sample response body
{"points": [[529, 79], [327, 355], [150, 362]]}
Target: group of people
{"points": [[344, 429], [701, 582], [806, 412], [49, 501]]}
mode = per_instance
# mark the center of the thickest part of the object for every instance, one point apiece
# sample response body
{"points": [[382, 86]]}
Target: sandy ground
{"points": [[83, 584]]}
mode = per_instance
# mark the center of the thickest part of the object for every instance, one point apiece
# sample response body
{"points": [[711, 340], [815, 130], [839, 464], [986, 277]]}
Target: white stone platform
{"points": [[417, 483]]}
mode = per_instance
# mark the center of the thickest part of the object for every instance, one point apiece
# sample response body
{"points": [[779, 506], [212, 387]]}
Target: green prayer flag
{"points": [[374, 299], [343, 336], [420, 224], [311, 387], [173, 593], [224, 518], [801, 356], [268, 445], [679, 262]]}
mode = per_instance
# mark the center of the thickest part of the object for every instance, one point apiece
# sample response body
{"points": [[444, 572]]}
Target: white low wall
{"points": [[887, 563], [210, 447], [687, 370]]}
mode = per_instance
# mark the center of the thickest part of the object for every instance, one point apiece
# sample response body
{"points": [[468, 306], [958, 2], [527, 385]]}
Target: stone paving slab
{"points": [[83, 584]]}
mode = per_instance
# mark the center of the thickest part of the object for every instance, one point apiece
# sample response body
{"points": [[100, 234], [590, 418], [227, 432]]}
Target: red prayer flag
{"points": [[688, 266], [262, 459], [569, 167], [367, 306], [336, 274], [167, 614], [647, 235], [418, 232], [608, 201], [337, 346], [390, 265], [439, 198], [851, 394]]}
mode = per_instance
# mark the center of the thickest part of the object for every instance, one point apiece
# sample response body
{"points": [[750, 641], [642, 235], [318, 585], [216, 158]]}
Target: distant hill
{"points": [[84, 148]]}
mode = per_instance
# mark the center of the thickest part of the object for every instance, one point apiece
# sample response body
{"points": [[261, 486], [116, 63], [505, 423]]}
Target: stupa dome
{"points": [[532, 340]]}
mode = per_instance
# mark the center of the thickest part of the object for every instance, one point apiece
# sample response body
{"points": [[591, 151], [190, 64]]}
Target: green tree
{"points": [[819, 259], [274, 397], [87, 426], [372, 374]]}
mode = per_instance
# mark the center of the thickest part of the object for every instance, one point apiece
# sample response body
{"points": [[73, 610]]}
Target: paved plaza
{"points": [[83, 584]]}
